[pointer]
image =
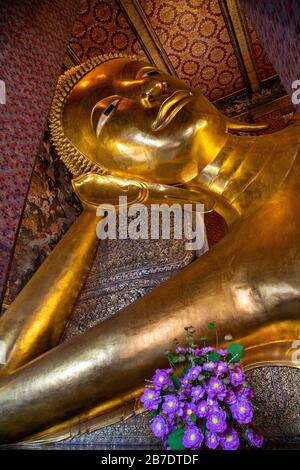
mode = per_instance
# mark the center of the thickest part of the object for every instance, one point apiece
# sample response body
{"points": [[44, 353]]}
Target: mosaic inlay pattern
{"points": [[50, 209], [123, 271]]}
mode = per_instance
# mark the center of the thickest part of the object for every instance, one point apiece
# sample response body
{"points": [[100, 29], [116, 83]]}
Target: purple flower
{"points": [[212, 404], [230, 439], [189, 411], [221, 368], [216, 420], [241, 411], [180, 350], [170, 404], [244, 391], [192, 438], [229, 398], [212, 440], [193, 373], [207, 349], [222, 352], [185, 382], [198, 352], [159, 426], [254, 437], [150, 399], [210, 366], [237, 377], [197, 393], [202, 409], [161, 378], [171, 420], [214, 387]]}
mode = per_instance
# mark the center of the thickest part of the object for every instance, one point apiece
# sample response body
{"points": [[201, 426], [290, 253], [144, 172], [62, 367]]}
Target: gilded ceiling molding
{"points": [[238, 31], [146, 36], [70, 59], [241, 25]]}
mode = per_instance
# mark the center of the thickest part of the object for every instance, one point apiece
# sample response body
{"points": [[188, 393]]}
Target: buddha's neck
{"points": [[248, 170]]}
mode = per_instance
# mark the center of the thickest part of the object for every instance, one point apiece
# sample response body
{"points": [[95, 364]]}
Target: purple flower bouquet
{"points": [[203, 399]]}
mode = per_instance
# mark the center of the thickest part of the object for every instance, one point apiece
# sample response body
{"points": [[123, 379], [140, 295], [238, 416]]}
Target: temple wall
{"points": [[34, 35], [277, 24]]}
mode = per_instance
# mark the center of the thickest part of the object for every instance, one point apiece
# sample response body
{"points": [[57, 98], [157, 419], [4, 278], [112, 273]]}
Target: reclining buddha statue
{"points": [[123, 127]]}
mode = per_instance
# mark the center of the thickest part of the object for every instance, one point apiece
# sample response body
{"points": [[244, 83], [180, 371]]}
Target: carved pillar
{"points": [[34, 35], [277, 24]]}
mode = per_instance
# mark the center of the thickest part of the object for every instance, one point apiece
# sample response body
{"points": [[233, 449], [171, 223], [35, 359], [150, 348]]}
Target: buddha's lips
{"points": [[170, 107]]}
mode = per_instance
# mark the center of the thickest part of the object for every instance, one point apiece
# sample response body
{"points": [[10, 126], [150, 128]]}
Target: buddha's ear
{"points": [[244, 126]]}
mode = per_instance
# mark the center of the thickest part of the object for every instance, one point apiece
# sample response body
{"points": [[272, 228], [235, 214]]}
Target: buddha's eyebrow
{"points": [[148, 70]]}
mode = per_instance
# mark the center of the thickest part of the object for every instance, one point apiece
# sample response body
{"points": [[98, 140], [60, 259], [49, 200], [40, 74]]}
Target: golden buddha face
{"points": [[134, 120]]}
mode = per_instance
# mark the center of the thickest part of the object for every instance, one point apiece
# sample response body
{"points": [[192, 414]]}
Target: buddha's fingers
{"points": [[240, 284]]}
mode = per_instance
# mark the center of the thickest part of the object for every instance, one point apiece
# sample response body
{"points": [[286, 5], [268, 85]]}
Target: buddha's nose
{"points": [[152, 93]]}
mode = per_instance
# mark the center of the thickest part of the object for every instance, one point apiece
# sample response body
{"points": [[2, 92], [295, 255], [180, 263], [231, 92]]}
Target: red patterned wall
{"points": [[278, 28], [33, 38], [192, 32], [101, 28], [195, 37]]}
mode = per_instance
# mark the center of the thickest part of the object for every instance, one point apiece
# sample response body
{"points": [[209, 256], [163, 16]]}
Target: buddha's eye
{"points": [[100, 116], [110, 108], [151, 73]]}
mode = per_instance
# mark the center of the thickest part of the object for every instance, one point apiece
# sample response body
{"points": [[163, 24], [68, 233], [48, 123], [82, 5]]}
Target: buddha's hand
{"points": [[94, 189]]}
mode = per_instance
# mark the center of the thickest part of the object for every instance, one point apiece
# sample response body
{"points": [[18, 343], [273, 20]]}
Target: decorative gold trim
{"points": [[71, 59], [235, 31], [76, 162]]}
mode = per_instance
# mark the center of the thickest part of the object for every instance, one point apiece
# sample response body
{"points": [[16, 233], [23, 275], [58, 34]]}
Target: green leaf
{"points": [[172, 357], [236, 351], [185, 371], [176, 382], [211, 326], [193, 417], [175, 439], [199, 361], [213, 356]]}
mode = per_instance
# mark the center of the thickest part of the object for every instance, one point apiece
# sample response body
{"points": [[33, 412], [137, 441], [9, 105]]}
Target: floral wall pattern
{"points": [[100, 28], [195, 37]]}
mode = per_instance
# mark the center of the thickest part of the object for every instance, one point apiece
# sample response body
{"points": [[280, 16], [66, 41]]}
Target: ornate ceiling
{"points": [[207, 43]]}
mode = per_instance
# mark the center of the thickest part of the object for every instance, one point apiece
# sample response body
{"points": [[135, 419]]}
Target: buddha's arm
{"points": [[37, 318], [249, 284], [35, 321]]}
